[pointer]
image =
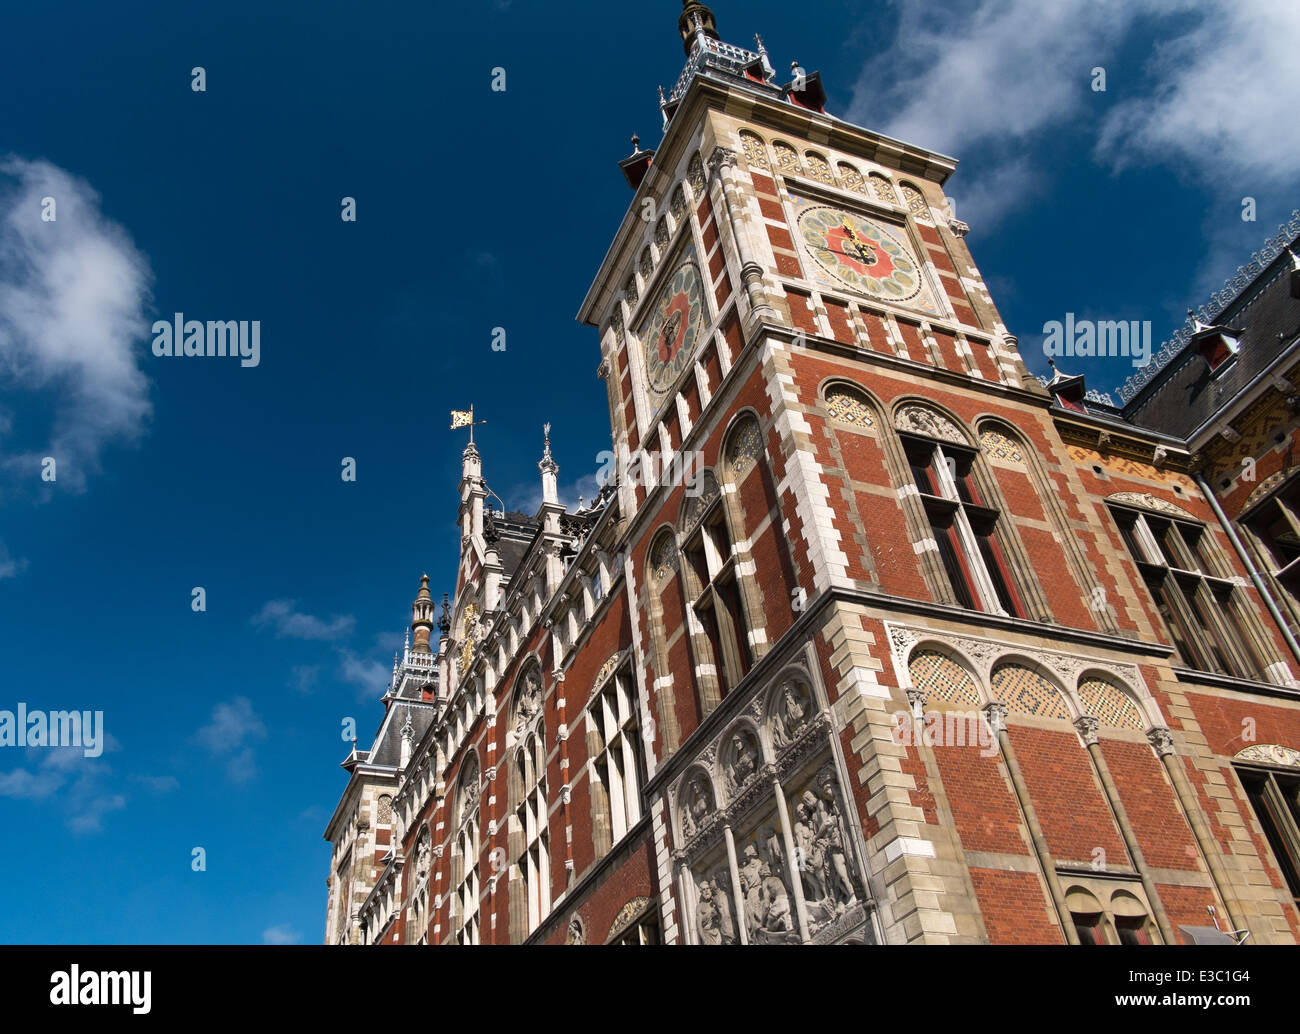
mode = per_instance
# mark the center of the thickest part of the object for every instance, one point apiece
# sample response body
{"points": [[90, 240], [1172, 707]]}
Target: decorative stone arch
{"points": [[929, 420], [981, 656], [576, 931], [694, 507], [915, 202], [850, 405], [1002, 443], [743, 750], [466, 799], [677, 205], [1029, 687], [851, 176], [1269, 754], [818, 167], [695, 177], [1107, 698], [940, 672], [790, 707], [754, 148], [787, 158], [645, 264], [882, 187], [1267, 485], [662, 558], [1147, 501], [743, 446], [662, 562], [695, 799], [630, 913]]}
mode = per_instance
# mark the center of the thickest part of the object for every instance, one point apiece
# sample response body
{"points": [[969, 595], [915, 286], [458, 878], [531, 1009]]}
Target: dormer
{"points": [[1218, 345]]}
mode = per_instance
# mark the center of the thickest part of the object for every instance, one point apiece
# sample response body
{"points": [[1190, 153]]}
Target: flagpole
{"points": [[471, 423]]}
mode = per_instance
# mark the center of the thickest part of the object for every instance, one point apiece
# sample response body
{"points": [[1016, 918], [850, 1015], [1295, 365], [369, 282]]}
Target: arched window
{"points": [[466, 872], [534, 860], [711, 586], [787, 158], [852, 178], [916, 203], [964, 527], [819, 168], [755, 150], [941, 678], [1110, 705], [616, 748], [1025, 691], [882, 188]]}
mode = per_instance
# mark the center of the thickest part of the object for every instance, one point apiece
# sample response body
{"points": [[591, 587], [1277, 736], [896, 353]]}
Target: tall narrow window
{"points": [[964, 527], [714, 595], [618, 758], [1275, 798], [467, 843], [1202, 611], [535, 863], [1275, 526], [534, 860]]}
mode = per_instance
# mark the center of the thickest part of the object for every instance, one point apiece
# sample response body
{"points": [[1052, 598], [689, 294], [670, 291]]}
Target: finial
{"points": [[1295, 260], [636, 149], [663, 98], [444, 622], [1197, 325]]}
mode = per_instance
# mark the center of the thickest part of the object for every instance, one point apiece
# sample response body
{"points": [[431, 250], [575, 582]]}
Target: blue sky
{"points": [[475, 209]]}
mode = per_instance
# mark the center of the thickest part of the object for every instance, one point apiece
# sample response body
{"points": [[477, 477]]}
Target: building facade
{"points": [[873, 637]]}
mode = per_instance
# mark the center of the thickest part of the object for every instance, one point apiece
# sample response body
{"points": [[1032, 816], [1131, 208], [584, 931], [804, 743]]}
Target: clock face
{"points": [[673, 328], [861, 253]]}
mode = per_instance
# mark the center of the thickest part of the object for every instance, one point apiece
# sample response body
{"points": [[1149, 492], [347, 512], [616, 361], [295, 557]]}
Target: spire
{"points": [[695, 23], [549, 469], [422, 617]]}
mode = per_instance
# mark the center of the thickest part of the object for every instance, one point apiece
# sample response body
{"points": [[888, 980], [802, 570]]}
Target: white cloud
{"points": [[283, 934], [1225, 99], [290, 623], [69, 784], [370, 677], [10, 566], [72, 310], [158, 784], [1216, 97], [233, 723], [303, 678]]}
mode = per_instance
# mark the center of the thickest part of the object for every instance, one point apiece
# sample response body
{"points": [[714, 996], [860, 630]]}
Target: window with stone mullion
{"points": [[717, 603], [619, 753], [964, 529], [1202, 611]]}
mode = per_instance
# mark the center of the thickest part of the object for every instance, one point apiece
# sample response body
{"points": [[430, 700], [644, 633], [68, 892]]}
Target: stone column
{"points": [[742, 931], [1087, 729]]}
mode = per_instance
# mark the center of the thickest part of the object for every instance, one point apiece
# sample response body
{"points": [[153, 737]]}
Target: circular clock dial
{"points": [[674, 327], [860, 253]]}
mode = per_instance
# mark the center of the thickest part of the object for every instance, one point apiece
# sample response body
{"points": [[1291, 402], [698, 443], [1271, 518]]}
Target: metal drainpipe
{"points": [[1250, 567], [996, 714]]}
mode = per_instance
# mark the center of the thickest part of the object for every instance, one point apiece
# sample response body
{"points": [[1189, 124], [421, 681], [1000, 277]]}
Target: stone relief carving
{"points": [[827, 872], [925, 421], [1271, 754], [423, 854], [768, 909], [741, 761], [791, 713], [529, 700], [1149, 502], [575, 934], [715, 912], [696, 803]]}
